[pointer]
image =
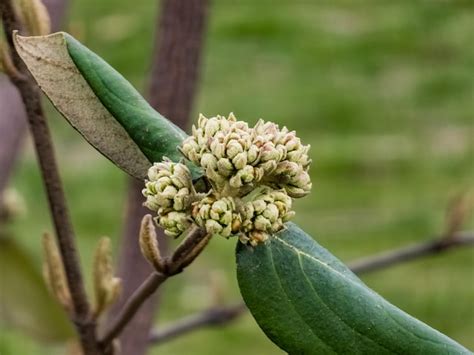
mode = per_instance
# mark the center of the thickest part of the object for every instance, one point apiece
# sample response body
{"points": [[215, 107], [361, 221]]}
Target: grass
{"points": [[382, 90]]}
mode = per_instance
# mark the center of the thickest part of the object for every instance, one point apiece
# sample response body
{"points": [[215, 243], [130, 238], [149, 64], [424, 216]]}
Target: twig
{"points": [[211, 317], [224, 315], [173, 265], [383, 260], [12, 115], [30, 95], [147, 288]]}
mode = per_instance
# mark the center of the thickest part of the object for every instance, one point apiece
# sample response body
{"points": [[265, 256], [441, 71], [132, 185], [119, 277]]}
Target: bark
{"points": [[12, 111], [174, 76]]}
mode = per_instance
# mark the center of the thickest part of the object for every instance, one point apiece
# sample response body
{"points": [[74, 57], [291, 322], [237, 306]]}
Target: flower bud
{"points": [[174, 223], [264, 215], [190, 149], [217, 216], [169, 187]]}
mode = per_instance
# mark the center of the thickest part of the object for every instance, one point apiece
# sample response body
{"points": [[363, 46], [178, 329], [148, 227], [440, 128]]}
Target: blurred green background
{"points": [[382, 90]]}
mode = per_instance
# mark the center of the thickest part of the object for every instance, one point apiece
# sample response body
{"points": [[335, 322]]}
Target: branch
{"points": [[173, 266], [224, 315], [146, 289], [386, 259], [30, 95], [208, 318], [12, 115]]}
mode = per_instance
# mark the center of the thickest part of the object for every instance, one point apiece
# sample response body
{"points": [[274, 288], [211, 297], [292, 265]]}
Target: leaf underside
{"points": [[49, 62], [100, 103], [308, 302]]}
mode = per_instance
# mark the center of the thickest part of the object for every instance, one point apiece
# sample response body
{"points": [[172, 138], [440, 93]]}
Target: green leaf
{"points": [[101, 104], [26, 303], [308, 302]]}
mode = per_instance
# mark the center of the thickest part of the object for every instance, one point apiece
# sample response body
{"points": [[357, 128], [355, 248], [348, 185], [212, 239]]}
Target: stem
{"points": [[212, 317], [30, 95], [173, 265], [133, 270], [147, 288], [12, 115], [390, 258]]}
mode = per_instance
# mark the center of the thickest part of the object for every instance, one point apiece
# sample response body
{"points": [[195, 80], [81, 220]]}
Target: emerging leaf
{"points": [[54, 274], [106, 287], [308, 302]]}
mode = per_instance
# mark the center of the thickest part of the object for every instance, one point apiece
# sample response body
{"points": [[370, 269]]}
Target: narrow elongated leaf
{"points": [[49, 62], [102, 105], [308, 302], [155, 135]]}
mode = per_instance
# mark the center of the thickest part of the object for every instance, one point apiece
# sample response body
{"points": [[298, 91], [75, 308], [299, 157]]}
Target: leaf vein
{"points": [[291, 303]]}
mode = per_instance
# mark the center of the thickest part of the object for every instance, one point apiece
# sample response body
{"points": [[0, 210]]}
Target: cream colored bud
{"points": [[213, 227], [233, 148], [34, 16], [217, 148], [202, 120], [225, 167], [261, 223], [264, 214], [240, 161], [253, 154], [106, 286], [191, 149], [54, 274], [208, 160], [212, 127], [232, 117], [174, 223], [271, 212], [182, 200], [298, 192], [217, 216], [170, 186]]}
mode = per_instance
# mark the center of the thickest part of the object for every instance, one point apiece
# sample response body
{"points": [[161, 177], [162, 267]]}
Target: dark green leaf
{"points": [[308, 302], [155, 135]]}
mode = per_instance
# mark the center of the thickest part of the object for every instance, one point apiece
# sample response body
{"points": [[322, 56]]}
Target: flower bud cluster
{"points": [[288, 158], [230, 152], [253, 174], [169, 192], [224, 148], [264, 215]]}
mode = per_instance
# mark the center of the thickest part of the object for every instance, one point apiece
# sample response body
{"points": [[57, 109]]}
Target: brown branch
{"points": [[141, 294], [390, 258], [172, 266], [30, 95], [174, 78], [13, 115], [224, 315], [133, 269], [208, 318]]}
